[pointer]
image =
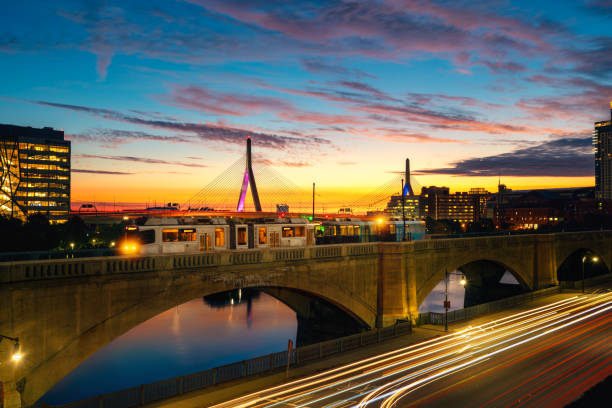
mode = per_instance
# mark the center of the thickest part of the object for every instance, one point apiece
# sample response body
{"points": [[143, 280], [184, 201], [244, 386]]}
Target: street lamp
{"points": [[593, 259], [16, 356], [462, 281]]}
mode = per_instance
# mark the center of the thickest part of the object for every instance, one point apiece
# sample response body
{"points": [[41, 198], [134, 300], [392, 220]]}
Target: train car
{"points": [[291, 232], [169, 235], [174, 235], [340, 230], [392, 230], [353, 230]]}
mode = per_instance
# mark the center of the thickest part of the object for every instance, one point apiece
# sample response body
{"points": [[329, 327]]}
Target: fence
{"points": [[495, 306], [147, 393], [502, 304]]}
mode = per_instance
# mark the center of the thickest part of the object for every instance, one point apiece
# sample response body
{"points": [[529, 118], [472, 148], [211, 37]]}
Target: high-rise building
{"points": [[35, 176], [602, 143]]}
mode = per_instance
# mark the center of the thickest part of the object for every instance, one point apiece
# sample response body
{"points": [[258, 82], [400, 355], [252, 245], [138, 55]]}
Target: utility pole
{"points": [[403, 212], [313, 201]]}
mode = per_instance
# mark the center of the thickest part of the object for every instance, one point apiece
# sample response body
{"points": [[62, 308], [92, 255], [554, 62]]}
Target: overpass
{"points": [[65, 310]]}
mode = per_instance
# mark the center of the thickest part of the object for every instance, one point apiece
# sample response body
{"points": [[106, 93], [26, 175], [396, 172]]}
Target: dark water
{"points": [[194, 336]]}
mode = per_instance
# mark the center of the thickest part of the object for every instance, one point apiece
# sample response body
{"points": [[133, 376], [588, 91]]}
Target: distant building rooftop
{"points": [[30, 132]]}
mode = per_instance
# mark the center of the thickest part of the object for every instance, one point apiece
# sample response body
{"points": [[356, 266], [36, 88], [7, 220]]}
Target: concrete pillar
{"points": [[392, 295], [12, 398], [544, 262]]}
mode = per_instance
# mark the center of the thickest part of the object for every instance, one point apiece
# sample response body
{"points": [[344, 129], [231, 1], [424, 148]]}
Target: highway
{"points": [[543, 357]]}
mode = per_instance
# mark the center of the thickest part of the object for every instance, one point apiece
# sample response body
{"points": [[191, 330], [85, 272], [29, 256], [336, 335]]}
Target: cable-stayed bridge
{"points": [[229, 191]]}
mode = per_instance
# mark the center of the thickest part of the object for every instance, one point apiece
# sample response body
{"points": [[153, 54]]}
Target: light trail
{"points": [[460, 350], [336, 394], [393, 396]]}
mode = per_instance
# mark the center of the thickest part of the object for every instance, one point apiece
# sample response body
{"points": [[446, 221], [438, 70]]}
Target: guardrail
{"points": [[172, 387]]}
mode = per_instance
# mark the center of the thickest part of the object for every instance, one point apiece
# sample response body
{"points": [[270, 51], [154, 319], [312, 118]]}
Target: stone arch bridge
{"points": [[65, 310]]}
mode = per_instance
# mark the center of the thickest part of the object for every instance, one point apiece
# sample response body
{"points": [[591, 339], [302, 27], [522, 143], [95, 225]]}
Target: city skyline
{"points": [[158, 101]]}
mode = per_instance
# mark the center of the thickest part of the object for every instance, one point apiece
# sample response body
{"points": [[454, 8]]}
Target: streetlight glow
{"points": [[463, 281], [595, 259]]}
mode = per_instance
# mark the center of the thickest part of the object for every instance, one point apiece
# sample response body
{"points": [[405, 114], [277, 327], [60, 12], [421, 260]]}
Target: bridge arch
{"points": [[595, 242], [84, 314], [570, 269], [479, 270]]}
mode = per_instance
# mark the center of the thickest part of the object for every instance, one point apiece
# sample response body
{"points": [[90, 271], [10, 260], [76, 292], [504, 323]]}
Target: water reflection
{"points": [[191, 337]]}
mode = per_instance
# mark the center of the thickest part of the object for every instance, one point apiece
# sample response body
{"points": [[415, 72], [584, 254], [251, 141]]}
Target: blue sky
{"points": [[158, 96]]}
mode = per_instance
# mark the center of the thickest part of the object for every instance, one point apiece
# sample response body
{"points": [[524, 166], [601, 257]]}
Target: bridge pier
{"points": [[11, 398], [544, 262], [395, 285]]}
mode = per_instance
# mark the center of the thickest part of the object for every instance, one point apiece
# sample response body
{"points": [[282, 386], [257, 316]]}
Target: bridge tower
{"points": [[248, 178], [408, 187]]}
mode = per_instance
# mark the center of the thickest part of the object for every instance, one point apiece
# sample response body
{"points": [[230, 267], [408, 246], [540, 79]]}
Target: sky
{"points": [[158, 97]]}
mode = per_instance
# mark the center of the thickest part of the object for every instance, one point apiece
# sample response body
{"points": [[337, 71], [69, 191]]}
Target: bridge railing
{"points": [[172, 387], [17, 271]]}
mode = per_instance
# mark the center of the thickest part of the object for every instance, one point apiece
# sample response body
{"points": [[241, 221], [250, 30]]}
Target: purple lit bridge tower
{"points": [[248, 178]]}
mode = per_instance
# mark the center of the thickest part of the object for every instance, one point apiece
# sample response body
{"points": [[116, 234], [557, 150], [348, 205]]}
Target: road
{"points": [[543, 357]]}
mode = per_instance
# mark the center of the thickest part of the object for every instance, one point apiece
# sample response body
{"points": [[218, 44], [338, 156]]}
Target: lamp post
{"points": [[16, 356], [463, 282], [594, 259]]}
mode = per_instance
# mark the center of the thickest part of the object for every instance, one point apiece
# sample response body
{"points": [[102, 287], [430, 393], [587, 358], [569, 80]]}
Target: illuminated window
{"points": [[187, 234], [170, 235], [263, 237], [289, 232], [242, 235], [219, 237]]}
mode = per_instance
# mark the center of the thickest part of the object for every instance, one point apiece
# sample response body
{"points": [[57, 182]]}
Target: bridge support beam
{"points": [[544, 263], [11, 398], [394, 286]]}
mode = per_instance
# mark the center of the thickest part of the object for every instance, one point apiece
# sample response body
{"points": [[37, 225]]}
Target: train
{"points": [[356, 230], [177, 235]]}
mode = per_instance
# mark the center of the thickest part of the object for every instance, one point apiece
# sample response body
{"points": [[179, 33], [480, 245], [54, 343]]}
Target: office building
{"points": [[602, 140], [438, 204], [35, 174]]}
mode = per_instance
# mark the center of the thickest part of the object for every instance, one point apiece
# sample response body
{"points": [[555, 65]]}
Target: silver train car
{"points": [[174, 235]]}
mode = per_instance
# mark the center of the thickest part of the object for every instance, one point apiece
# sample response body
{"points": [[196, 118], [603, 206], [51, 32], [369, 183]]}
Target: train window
{"points": [[391, 228], [287, 232], [219, 237], [300, 231], [187, 234], [343, 230], [242, 236], [263, 236], [170, 235], [350, 230], [357, 230], [147, 237]]}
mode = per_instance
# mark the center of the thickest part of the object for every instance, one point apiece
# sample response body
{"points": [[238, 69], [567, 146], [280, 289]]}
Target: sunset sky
{"points": [[159, 96]]}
